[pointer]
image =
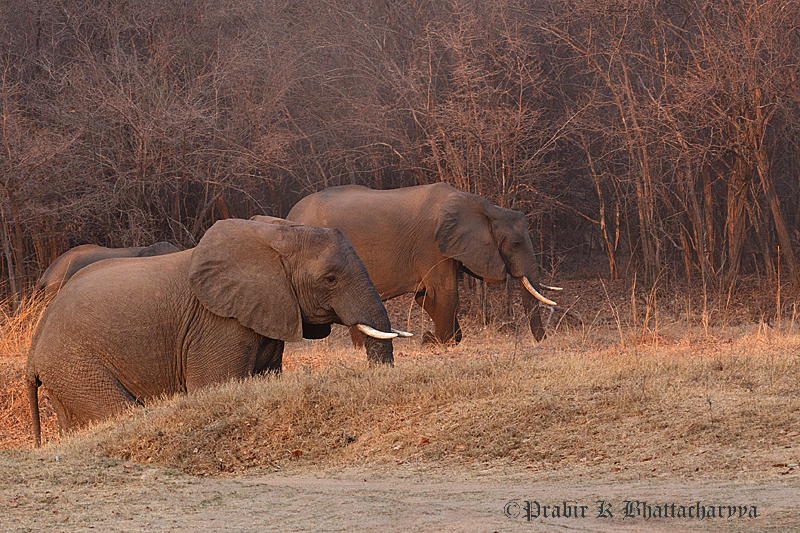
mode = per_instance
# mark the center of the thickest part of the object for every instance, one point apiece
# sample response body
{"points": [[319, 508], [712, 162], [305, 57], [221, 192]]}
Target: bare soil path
{"points": [[42, 494]]}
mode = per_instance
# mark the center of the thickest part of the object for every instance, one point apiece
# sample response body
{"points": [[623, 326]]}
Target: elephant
{"points": [[67, 264], [124, 331], [416, 239]]}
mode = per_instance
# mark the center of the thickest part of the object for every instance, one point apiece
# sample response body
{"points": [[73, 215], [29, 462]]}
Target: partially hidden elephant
{"points": [[416, 239], [70, 262], [124, 331]]}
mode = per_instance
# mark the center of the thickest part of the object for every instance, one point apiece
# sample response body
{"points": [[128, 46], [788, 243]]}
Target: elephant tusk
{"points": [[550, 287], [372, 332], [532, 290], [402, 333]]}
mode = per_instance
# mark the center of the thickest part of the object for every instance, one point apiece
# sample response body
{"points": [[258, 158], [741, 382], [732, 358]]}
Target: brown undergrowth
{"points": [[16, 331], [680, 402], [681, 409]]}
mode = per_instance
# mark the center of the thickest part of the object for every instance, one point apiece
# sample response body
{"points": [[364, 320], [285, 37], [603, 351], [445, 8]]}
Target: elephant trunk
{"points": [[532, 299], [369, 317], [380, 350]]}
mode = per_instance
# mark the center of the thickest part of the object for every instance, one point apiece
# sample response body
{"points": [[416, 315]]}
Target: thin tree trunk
{"points": [[734, 219], [708, 207], [612, 263], [754, 212], [12, 278], [18, 249], [698, 225], [777, 216], [687, 258]]}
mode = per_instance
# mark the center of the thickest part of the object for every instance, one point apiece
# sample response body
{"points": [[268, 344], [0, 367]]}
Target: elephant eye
{"points": [[330, 278]]}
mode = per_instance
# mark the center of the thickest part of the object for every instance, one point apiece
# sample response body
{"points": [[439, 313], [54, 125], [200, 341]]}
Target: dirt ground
{"points": [[57, 494]]}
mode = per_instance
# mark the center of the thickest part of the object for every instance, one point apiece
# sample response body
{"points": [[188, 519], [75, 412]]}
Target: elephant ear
{"points": [[464, 233], [237, 272]]}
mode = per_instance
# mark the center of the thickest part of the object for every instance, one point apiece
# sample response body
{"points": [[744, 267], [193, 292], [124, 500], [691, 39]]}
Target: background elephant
{"points": [[67, 264], [415, 239], [127, 330]]}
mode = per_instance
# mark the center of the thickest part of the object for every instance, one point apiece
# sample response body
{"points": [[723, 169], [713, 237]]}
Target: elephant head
{"points": [[491, 243], [312, 277]]}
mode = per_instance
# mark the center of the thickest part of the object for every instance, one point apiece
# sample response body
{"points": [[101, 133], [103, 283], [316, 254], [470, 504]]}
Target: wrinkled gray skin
{"points": [[377, 351], [67, 264], [415, 240], [124, 331]]}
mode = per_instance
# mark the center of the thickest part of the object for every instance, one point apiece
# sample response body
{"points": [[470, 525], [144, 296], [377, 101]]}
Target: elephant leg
{"points": [[102, 396], [64, 423], [441, 303], [269, 358]]}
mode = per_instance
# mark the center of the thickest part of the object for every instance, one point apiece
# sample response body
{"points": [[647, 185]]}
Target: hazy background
{"points": [[652, 137]]}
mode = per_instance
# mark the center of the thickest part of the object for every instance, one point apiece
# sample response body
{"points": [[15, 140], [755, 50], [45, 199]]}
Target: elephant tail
{"points": [[32, 384]]}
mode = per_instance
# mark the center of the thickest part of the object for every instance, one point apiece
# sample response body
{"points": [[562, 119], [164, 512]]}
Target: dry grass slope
{"points": [[676, 404], [728, 409]]}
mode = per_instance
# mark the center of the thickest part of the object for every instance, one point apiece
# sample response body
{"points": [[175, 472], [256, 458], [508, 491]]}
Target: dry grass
{"points": [[17, 327], [16, 332], [685, 409], [677, 402]]}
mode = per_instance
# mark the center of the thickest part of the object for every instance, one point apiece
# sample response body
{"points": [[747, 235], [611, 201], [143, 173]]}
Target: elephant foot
{"points": [[429, 339]]}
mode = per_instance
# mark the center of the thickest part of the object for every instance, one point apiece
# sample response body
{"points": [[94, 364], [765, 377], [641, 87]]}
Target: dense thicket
{"points": [[662, 134]]}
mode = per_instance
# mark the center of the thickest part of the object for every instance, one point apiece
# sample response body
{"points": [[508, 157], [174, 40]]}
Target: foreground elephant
{"points": [[127, 330], [415, 239], [67, 264]]}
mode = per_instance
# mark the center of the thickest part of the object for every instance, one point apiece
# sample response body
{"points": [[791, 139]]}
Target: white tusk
{"points": [[550, 287], [527, 285], [372, 332], [402, 333]]}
